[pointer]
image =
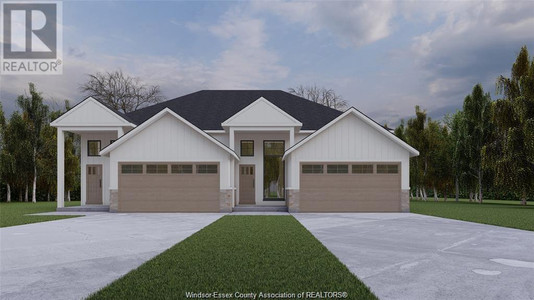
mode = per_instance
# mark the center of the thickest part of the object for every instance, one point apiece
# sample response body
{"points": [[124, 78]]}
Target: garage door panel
{"points": [[169, 192], [351, 181], [349, 192]]}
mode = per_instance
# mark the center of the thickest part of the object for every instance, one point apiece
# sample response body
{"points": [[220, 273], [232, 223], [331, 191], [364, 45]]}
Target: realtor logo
{"points": [[32, 38]]}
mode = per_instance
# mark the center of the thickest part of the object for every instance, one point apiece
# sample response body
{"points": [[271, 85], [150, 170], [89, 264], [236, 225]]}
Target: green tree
{"points": [[47, 157], [400, 131], [477, 118], [512, 153], [439, 156], [459, 158], [414, 134], [15, 156], [36, 114]]}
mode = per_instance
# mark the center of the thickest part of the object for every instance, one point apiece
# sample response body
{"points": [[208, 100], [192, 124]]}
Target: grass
{"points": [[494, 212], [246, 254], [14, 213]]}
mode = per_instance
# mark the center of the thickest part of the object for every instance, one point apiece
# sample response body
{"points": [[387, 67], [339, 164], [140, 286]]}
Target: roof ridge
{"points": [[209, 108]]}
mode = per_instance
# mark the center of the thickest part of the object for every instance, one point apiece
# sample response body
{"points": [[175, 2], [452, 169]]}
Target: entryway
{"points": [[247, 189], [94, 184]]}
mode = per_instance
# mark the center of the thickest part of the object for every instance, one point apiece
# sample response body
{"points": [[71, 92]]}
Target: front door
{"points": [[247, 188], [94, 184]]}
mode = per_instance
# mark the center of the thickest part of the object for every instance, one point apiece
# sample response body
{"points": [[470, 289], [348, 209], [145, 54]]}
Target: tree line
{"points": [[485, 149], [28, 151]]}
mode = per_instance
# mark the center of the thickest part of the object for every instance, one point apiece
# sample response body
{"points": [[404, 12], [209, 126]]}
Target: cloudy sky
{"points": [[383, 57]]}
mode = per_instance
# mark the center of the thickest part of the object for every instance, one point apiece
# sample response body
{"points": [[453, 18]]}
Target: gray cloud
{"points": [[355, 23]]}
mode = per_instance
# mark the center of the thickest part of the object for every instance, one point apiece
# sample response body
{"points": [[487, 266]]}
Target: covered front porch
{"points": [[98, 126]]}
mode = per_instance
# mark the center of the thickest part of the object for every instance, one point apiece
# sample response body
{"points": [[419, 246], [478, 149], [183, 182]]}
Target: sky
{"points": [[382, 57]]}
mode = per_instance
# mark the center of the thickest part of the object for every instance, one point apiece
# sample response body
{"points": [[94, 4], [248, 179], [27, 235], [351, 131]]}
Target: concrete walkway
{"points": [[410, 256], [72, 258]]}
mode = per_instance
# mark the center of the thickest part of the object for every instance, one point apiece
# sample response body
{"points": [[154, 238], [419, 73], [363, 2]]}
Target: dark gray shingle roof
{"points": [[207, 109]]}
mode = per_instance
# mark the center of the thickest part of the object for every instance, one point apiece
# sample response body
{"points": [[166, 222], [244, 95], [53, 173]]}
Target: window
{"points": [[132, 169], [362, 169], [182, 169], [247, 148], [387, 169], [206, 169], [273, 170], [93, 147], [247, 170], [156, 169], [312, 169], [337, 169]]}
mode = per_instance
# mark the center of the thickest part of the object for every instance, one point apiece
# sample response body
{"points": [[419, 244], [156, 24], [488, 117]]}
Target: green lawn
{"points": [[14, 213], [495, 212], [268, 254]]}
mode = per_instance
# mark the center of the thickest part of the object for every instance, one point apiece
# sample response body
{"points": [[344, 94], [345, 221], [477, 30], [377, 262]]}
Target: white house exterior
{"points": [[217, 150]]}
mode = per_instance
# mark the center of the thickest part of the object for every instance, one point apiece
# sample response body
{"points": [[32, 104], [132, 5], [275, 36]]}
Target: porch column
{"points": [[231, 139], [291, 136], [60, 168]]}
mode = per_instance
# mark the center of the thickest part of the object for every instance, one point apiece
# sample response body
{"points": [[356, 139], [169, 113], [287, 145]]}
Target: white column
{"points": [[60, 168], [231, 139], [291, 136], [83, 168]]}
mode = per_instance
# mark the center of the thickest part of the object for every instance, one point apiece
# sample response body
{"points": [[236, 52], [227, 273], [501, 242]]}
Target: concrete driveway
{"points": [[72, 258], [410, 256]]}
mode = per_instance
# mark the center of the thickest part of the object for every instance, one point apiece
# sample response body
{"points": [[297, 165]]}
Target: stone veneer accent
{"points": [[293, 202], [225, 200], [405, 200], [113, 200]]}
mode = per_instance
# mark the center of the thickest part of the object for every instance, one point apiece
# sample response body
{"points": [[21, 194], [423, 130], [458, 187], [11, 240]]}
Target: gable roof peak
{"points": [[261, 112]]}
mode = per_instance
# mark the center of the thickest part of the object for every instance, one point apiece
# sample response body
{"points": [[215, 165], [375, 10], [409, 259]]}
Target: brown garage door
{"points": [[350, 187], [169, 187]]}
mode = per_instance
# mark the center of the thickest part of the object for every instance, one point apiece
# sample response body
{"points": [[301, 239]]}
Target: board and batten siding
{"points": [[349, 140], [168, 140]]}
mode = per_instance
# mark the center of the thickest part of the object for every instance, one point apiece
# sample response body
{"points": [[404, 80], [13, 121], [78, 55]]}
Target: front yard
{"points": [[494, 212], [240, 254], [15, 213]]}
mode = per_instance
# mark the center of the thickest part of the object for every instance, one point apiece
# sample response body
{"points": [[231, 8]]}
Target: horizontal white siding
{"points": [[167, 140], [350, 139]]}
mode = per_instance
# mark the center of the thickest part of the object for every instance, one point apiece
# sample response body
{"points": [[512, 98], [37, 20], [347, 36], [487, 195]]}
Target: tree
{"points": [[321, 95], [399, 131], [121, 91], [35, 113], [477, 118], [512, 153], [47, 157], [457, 140], [436, 158], [15, 156], [415, 136]]}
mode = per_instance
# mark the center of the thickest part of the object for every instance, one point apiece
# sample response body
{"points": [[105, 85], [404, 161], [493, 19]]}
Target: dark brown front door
{"points": [[247, 190], [94, 184]]}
